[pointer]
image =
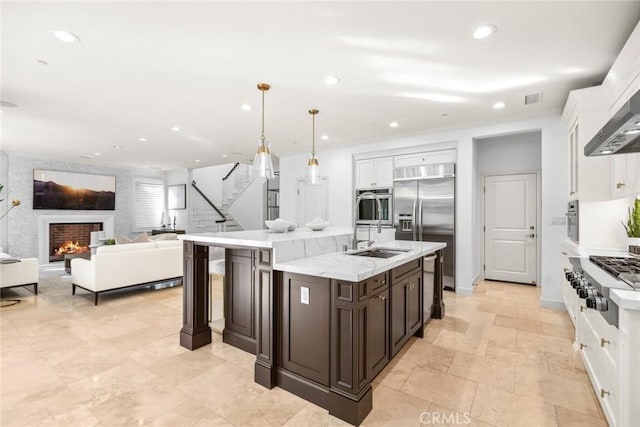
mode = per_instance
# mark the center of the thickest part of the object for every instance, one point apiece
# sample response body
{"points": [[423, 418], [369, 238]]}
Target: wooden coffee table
{"points": [[69, 257]]}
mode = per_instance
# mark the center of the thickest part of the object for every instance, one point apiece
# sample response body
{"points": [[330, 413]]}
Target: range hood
{"points": [[621, 134]]}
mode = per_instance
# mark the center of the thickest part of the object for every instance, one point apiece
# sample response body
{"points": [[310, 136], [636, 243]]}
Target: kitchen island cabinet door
{"points": [[414, 303], [306, 303], [377, 333], [399, 325], [239, 301]]}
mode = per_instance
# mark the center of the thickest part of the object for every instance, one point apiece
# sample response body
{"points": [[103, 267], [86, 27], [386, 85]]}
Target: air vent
{"points": [[534, 98]]}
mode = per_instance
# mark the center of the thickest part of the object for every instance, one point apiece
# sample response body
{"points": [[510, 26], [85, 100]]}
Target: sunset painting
{"points": [[74, 191]]}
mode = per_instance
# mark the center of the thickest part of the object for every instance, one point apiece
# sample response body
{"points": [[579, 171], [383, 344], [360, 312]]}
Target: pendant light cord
{"points": [[262, 136], [313, 136]]}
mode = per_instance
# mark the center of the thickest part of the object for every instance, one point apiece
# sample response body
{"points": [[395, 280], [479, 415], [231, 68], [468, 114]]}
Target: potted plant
{"points": [[633, 224]]}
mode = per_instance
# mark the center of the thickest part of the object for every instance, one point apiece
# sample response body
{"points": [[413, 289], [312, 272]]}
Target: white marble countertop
{"points": [[626, 299], [263, 238], [341, 266], [573, 249]]}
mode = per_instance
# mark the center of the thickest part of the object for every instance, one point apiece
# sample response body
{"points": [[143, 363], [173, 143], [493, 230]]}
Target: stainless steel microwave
{"points": [[368, 208]]}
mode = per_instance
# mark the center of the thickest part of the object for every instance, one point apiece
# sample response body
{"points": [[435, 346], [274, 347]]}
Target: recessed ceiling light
{"points": [[97, 154], [1, 111], [117, 147], [245, 107], [632, 131], [331, 80], [41, 62], [224, 155], [197, 160], [394, 124], [484, 31], [142, 139], [294, 142], [444, 115], [325, 137], [66, 36], [175, 129], [499, 105], [606, 151]]}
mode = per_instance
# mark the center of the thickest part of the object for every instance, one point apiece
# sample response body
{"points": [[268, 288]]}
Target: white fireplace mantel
{"points": [[107, 221]]}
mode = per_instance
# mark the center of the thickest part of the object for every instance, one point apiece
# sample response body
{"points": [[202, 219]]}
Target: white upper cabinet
{"points": [[585, 113], [374, 173], [427, 158], [625, 175]]}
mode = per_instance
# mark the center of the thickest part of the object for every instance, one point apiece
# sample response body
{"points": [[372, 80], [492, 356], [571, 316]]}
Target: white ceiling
{"points": [[144, 67]]}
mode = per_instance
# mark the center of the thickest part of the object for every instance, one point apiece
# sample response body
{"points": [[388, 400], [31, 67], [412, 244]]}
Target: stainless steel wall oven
{"points": [[368, 209]]}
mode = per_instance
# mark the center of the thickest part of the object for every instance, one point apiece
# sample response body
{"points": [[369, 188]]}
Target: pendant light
{"points": [[262, 165], [312, 177]]}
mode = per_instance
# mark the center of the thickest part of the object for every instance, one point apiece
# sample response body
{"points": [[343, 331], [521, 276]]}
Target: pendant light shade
{"points": [[262, 164], [312, 176]]}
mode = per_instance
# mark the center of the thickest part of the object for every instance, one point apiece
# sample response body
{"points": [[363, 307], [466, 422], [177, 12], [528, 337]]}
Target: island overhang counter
{"points": [[322, 322]]}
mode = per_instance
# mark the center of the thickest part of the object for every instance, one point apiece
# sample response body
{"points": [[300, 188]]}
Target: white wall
{"points": [[250, 208], [512, 153], [337, 164]]}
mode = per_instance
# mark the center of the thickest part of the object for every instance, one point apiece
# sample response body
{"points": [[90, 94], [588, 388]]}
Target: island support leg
{"points": [[195, 332], [265, 288], [438, 282]]}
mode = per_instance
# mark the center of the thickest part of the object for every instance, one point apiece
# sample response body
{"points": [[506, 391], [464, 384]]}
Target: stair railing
{"points": [[204, 215]]}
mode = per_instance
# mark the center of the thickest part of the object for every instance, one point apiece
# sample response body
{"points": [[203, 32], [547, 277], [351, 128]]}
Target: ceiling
{"points": [[142, 68]]}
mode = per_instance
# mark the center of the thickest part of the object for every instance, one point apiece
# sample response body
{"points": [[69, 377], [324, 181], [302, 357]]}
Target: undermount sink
{"points": [[379, 252]]}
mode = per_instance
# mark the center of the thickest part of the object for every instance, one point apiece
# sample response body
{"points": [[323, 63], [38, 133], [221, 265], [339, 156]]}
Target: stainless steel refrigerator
{"points": [[424, 209]]}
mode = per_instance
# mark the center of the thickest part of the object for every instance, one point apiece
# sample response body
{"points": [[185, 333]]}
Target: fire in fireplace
{"points": [[70, 238]]}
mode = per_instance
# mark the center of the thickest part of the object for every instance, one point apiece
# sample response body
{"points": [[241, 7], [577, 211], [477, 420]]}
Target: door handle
{"points": [[420, 221], [531, 227], [531, 235], [415, 220]]}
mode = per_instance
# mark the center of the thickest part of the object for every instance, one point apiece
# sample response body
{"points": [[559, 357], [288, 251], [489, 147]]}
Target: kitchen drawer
{"points": [[400, 271], [605, 337], [604, 380], [377, 283]]}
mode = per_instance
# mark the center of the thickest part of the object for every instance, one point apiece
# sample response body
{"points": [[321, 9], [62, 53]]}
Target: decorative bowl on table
{"points": [[290, 225], [317, 225], [277, 226]]}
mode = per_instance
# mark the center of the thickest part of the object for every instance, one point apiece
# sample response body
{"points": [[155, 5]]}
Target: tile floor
{"points": [[496, 359]]}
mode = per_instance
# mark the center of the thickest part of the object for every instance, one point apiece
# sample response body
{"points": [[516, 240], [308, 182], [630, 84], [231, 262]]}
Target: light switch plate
{"points": [[304, 295]]}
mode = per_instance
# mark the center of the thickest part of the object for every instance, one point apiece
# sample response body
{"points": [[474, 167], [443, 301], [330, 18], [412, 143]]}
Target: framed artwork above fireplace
{"points": [[73, 191]]}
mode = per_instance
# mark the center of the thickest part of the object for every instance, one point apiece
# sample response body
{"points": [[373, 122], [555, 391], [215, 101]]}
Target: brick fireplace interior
{"points": [[70, 238]]}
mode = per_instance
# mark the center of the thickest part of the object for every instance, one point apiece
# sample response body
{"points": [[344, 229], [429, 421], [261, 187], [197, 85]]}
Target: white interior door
{"points": [[511, 237], [313, 201]]}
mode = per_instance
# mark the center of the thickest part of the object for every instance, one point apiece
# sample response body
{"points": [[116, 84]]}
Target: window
{"points": [[148, 203]]}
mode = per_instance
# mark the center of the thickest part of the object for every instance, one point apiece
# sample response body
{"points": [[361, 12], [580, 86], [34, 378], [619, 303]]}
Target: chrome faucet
{"points": [[368, 196]]}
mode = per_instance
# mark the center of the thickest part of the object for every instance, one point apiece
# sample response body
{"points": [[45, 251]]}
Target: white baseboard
{"points": [[548, 303], [464, 291]]}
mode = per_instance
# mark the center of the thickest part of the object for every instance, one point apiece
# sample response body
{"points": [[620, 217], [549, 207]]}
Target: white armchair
{"points": [[18, 272]]}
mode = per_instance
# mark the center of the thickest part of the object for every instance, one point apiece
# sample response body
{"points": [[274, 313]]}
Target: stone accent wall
{"points": [[22, 238]]}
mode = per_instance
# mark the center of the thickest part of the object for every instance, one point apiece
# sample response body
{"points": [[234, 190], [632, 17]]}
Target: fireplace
{"points": [[70, 238], [44, 222]]}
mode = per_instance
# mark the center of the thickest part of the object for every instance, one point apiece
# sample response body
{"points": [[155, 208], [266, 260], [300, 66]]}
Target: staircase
{"points": [[204, 216]]}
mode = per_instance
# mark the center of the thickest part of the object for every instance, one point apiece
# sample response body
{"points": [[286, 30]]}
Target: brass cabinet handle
{"points": [[603, 342], [382, 282], [582, 308], [382, 297], [603, 392], [583, 346], [619, 185]]}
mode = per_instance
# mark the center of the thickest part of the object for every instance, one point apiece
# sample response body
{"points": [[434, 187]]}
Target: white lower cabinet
{"points": [[610, 355]]}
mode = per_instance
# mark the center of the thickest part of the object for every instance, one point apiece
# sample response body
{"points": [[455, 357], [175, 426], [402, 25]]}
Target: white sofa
{"points": [[21, 273], [122, 266]]}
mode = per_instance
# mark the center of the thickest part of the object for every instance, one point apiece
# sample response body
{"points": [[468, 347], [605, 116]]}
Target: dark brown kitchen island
{"points": [[322, 327]]}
